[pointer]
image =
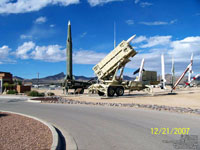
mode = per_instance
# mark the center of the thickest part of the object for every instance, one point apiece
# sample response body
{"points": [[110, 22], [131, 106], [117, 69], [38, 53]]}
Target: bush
{"points": [[50, 94], [41, 94], [35, 94], [11, 92]]}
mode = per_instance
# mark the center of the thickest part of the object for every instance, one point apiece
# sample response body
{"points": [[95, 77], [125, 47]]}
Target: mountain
{"points": [[18, 78], [128, 78], [59, 78]]}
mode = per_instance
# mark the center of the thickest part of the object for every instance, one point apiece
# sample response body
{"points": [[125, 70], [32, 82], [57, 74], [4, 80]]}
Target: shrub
{"points": [[41, 94], [50, 94], [35, 94], [12, 92]]}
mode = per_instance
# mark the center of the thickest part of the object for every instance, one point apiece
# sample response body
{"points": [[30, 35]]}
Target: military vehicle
{"points": [[106, 71]]}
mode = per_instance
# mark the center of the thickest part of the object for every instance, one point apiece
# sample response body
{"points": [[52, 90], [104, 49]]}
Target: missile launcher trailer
{"points": [[106, 71], [78, 86], [69, 81]]}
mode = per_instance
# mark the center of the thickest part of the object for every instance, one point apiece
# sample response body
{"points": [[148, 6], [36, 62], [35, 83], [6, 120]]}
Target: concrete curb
{"points": [[55, 145], [70, 141], [14, 96], [33, 101]]}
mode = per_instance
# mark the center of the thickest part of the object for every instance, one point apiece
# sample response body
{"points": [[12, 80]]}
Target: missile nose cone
{"points": [[131, 38], [69, 23]]}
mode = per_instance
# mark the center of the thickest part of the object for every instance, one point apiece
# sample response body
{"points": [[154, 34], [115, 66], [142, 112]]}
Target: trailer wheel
{"points": [[111, 91], [101, 93], [82, 91], [120, 91]]}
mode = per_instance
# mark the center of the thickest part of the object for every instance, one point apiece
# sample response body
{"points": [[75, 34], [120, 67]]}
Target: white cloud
{"points": [[145, 4], [51, 53], [100, 2], [157, 23], [152, 48], [173, 21], [23, 6], [83, 34], [137, 1], [4, 55], [41, 20], [197, 14], [4, 51], [184, 48], [39, 32], [130, 22], [52, 25], [56, 53], [157, 40], [22, 51], [179, 49], [23, 36], [139, 39], [87, 57]]}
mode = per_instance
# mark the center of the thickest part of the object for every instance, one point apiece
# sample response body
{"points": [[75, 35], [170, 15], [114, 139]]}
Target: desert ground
{"points": [[183, 97]]}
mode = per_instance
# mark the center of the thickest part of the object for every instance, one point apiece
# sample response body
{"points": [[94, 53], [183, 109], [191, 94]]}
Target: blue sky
{"points": [[33, 34]]}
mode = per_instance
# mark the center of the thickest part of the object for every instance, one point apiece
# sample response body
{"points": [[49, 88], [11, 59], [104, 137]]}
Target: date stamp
{"points": [[170, 131]]}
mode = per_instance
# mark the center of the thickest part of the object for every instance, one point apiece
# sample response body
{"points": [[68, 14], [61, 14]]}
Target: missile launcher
{"points": [[106, 71]]}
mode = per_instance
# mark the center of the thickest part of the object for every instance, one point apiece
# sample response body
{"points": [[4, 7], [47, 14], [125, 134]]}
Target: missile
{"points": [[141, 70], [181, 77], [130, 39], [173, 72], [163, 72], [190, 69], [194, 78], [69, 52]]}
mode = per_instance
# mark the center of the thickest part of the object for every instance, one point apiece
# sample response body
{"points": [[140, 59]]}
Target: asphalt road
{"points": [[106, 128]]}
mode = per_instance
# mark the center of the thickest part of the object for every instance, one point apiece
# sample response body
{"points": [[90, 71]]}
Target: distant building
{"points": [[23, 89], [5, 77]]}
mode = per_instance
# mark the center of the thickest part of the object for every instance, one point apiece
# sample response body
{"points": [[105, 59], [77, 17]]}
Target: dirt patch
{"points": [[47, 99], [19, 132]]}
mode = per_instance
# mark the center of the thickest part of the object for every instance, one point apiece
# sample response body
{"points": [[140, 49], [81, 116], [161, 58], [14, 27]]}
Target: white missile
{"points": [[141, 70], [194, 78], [131, 38], [190, 69], [163, 72], [181, 77]]}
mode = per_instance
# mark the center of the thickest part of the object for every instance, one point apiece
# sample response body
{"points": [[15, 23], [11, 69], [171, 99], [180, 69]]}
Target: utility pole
{"points": [[114, 35], [38, 75]]}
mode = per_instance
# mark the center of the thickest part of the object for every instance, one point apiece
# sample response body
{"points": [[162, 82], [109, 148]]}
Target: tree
{"points": [[6, 86]]}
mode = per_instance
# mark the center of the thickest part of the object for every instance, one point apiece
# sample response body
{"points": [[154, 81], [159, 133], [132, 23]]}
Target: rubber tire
{"points": [[82, 91], [111, 91], [120, 91], [101, 93]]}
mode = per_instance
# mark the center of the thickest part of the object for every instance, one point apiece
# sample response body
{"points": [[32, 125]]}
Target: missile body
{"points": [[181, 77], [173, 72], [131, 38], [163, 71], [141, 70], [190, 69], [69, 53], [194, 78]]}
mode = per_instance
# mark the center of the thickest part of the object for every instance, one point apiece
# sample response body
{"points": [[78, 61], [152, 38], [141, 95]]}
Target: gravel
{"points": [[58, 99], [23, 133]]}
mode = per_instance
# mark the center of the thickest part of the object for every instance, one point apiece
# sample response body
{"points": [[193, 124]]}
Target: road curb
{"points": [[33, 101], [69, 139], [55, 145]]}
